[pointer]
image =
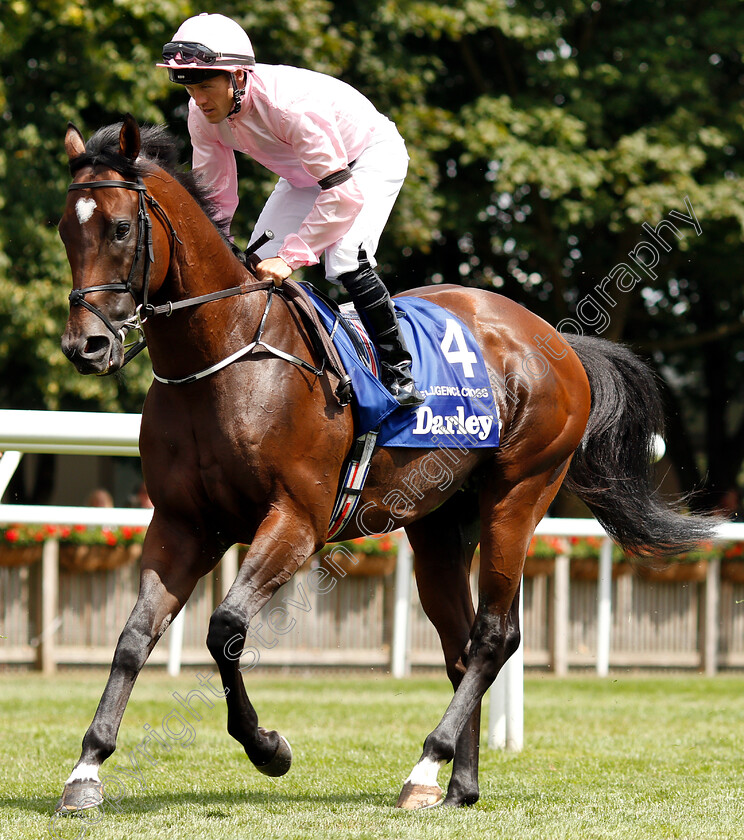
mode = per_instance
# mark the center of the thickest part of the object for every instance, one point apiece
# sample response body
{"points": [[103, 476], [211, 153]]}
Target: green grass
{"points": [[634, 757]]}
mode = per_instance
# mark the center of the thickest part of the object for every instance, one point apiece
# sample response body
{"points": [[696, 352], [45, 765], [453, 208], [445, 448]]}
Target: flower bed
{"points": [[367, 556], [732, 563], [541, 555], [84, 548], [690, 567], [81, 548]]}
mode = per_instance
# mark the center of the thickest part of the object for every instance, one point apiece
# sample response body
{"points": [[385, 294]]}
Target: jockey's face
{"points": [[214, 97]]}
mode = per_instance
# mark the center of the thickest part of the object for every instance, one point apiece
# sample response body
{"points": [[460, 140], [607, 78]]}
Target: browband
{"points": [[89, 185]]}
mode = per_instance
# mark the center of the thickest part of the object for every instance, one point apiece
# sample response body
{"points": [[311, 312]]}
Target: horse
{"points": [[251, 451]]}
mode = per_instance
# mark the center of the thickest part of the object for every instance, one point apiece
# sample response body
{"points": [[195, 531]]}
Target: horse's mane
{"points": [[157, 146]]}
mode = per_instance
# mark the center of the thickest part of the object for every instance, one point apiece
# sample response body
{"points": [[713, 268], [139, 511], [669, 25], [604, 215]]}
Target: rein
{"points": [[257, 341], [144, 250]]}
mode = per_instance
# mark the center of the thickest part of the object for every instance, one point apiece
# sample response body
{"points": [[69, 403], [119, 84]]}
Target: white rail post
{"points": [[515, 690], [400, 662], [712, 616], [497, 713], [228, 570], [175, 643], [561, 596], [604, 608], [48, 607], [506, 701], [9, 462]]}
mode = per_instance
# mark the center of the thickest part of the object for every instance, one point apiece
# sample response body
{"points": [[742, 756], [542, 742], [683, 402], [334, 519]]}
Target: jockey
{"points": [[340, 163]]}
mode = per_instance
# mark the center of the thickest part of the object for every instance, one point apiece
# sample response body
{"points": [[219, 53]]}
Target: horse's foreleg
{"points": [[508, 519], [166, 581], [281, 545]]}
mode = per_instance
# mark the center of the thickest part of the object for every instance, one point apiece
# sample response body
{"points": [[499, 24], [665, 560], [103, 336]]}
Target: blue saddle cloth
{"points": [[459, 412]]}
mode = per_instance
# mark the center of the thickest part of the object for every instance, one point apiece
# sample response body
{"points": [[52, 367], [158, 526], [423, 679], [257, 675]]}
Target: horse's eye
{"points": [[121, 231]]}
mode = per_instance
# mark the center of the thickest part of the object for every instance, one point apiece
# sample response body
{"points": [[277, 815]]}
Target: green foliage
{"points": [[61, 61]]}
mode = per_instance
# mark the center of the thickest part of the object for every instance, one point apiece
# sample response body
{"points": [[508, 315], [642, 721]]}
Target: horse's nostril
{"points": [[96, 345]]}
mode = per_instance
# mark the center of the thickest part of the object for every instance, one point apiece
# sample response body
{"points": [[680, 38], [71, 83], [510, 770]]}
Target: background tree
{"points": [[542, 136]]}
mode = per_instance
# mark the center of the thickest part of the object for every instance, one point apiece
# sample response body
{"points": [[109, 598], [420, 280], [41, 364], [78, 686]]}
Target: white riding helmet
{"points": [[205, 45]]}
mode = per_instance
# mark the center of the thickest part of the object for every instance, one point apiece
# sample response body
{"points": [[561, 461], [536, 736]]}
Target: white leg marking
{"points": [[425, 772], [84, 209], [84, 772]]}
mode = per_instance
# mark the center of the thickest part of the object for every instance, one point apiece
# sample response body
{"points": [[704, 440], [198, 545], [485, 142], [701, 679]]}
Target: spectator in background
{"points": [[100, 498], [141, 498]]}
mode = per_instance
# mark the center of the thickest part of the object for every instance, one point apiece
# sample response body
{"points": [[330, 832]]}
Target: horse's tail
{"points": [[612, 470]]}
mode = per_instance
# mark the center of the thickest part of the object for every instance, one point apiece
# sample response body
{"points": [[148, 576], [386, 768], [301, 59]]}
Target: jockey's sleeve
{"points": [[317, 141], [216, 167]]}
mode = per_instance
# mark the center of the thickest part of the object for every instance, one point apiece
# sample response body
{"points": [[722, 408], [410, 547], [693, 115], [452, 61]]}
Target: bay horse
{"points": [[252, 453]]}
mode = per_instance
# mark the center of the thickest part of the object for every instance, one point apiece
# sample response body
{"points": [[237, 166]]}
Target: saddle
{"points": [[298, 300], [359, 458], [460, 411]]}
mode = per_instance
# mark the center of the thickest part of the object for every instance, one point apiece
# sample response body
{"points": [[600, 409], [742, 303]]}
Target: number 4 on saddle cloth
{"points": [[459, 412]]}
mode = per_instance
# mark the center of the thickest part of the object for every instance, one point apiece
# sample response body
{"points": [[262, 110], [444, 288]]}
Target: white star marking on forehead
{"points": [[84, 209]]}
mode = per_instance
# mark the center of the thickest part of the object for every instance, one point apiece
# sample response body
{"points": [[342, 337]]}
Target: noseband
{"points": [[143, 251]]}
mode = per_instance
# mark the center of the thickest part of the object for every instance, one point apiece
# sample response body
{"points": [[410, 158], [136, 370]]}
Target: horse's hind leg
{"points": [[169, 573], [509, 515], [443, 545]]}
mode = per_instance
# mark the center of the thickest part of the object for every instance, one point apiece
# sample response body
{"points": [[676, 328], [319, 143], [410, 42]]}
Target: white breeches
{"points": [[379, 171]]}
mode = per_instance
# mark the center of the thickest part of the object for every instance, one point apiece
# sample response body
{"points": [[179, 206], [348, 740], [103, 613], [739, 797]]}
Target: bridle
{"points": [[143, 251]]}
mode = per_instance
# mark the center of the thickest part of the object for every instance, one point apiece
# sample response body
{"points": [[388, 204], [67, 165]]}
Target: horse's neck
{"points": [[201, 262]]}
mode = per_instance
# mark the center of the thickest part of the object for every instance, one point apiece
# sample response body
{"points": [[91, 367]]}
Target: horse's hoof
{"points": [[281, 762], [414, 797], [79, 795], [459, 800]]}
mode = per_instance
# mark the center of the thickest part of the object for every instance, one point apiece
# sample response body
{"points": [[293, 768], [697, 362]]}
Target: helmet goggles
{"points": [[193, 54]]}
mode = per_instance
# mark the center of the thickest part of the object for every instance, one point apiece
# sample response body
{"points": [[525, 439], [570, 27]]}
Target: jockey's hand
{"points": [[274, 269]]}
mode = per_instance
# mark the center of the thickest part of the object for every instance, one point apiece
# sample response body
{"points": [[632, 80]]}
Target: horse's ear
{"points": [[74, 143], [129, 138]]}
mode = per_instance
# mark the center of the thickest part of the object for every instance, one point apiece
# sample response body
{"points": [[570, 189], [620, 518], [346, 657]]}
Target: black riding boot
{"points": [[372, 301]]}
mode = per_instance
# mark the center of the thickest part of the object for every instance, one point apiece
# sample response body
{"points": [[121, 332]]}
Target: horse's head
{"points": [[118, 228], [107, 232]]}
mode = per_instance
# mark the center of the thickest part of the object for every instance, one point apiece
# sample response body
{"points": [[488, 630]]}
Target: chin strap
{"points": [[237, 94]]}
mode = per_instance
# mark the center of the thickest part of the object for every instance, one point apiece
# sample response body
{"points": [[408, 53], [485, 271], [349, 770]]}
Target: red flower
{"points": [[11, 535]]}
